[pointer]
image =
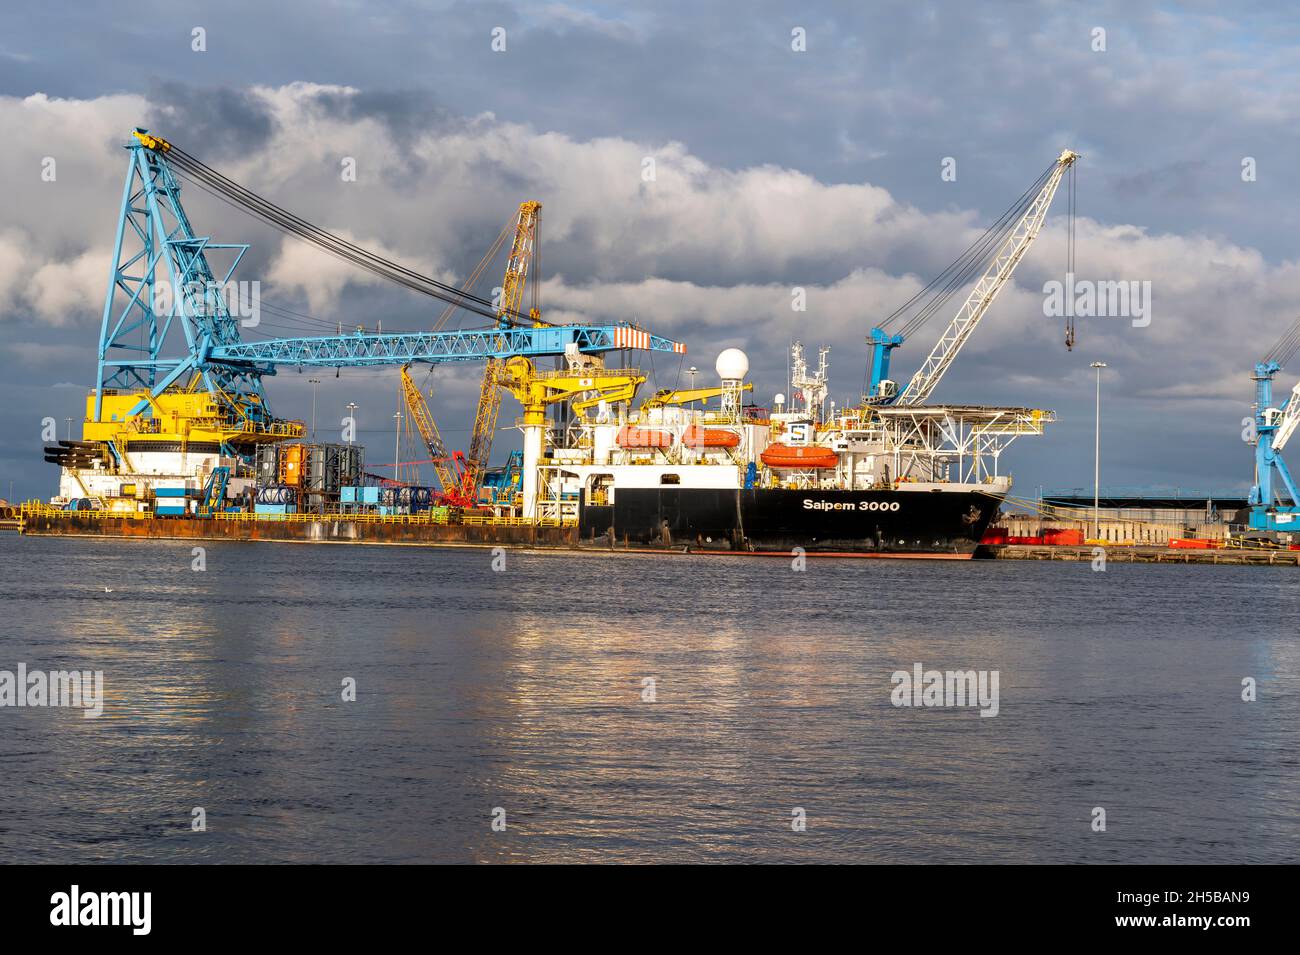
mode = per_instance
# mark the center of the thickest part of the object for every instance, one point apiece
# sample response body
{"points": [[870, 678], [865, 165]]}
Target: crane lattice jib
{"points": [[485, 426], [521, 256], [522, 251], [977, 303], [361, 349], [418, 409]]}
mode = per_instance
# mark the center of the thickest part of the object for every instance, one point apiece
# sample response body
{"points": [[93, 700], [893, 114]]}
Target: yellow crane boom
{"points": [[444, 463], [522, 252], [684, 396]]}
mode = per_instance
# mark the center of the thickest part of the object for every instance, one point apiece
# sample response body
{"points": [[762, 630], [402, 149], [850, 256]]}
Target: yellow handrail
{"points": [[41, 509]]}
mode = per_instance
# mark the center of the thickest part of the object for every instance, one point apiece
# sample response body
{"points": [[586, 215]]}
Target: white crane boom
{"points": [[1290, 418], [986, 289]]}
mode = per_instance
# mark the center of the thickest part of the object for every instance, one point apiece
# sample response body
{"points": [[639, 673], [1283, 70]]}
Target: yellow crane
{"points": [[684, 396], [583, 388], [523, 251], [446, 464]]}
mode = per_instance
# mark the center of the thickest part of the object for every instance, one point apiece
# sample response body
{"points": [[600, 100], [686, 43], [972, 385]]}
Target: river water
{"points": [[642, 708]]}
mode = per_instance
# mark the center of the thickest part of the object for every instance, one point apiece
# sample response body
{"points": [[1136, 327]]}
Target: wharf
{"points": [[1121, 553]]}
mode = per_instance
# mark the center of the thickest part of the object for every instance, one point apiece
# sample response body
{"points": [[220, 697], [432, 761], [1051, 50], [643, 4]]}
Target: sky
{"points": [[827, 168]]}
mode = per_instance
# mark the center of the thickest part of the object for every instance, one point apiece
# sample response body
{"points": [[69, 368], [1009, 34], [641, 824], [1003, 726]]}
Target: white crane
{"points": [[1008, 255]]}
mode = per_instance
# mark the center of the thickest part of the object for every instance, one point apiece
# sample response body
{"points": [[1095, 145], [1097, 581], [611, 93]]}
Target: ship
{"points": [[702, 470]]}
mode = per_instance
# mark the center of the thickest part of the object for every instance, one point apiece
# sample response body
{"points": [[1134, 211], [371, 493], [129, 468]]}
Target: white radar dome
{"points": [[732, 364]]}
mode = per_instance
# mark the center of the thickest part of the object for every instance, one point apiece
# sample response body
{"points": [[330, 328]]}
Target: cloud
{"points": [[299, 268], [62, 292]]}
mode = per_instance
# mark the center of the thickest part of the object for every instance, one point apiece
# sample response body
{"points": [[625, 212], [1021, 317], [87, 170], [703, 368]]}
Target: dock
{"points": [[1147, 555]]}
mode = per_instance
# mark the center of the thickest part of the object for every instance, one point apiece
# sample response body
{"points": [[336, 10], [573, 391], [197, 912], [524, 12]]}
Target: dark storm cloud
{"points": [[883, 92], [221, 122], [405, 114], [1178, 180]]}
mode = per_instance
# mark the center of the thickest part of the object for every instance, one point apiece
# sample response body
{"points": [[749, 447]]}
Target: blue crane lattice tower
{"points": [[162, 285]]}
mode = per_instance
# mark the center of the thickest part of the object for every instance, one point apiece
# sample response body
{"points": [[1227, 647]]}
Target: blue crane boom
{"points": [[360, 349]]}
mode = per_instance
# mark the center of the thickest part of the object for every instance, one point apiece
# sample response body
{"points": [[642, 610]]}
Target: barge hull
{"points": [[328, 530]]}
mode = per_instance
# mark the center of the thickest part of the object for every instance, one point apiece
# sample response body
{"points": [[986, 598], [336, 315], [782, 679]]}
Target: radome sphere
{"points": [[732, 364]]}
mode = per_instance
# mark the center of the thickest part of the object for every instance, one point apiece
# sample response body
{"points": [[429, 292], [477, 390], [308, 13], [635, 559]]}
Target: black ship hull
{"points": [[885, 523]]}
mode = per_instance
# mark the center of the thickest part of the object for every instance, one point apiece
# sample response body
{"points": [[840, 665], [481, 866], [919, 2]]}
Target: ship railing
{"points": [[42, 509], [366, 517]]}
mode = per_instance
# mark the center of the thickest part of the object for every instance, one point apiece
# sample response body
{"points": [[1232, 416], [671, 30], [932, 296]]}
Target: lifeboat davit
{"points": [[783, 456], [697, 437], [630, 437]]}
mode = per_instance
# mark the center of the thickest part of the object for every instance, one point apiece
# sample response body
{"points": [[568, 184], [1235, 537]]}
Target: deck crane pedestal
{"points": [[1274, 426], [582, 388]]}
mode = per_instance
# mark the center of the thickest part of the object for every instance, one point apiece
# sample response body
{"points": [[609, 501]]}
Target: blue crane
{"points": [[163, 285], [1273, 427]]}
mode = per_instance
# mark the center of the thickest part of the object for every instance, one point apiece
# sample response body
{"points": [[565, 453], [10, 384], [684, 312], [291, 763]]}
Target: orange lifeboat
{"points": [[697, 437], [783, 456], [630, 437]]}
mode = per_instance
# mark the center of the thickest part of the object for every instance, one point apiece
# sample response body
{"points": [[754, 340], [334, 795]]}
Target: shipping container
{"points": [[1063, 536]]}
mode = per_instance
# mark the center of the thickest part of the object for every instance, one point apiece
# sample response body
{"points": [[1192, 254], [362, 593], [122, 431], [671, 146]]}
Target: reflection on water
{"points": [[524, 690]]}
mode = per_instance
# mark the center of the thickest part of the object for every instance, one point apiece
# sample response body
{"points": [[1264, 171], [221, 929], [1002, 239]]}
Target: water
{"points": [[523, 690]]}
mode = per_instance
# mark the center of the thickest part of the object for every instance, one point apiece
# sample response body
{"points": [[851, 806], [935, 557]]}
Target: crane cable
{"points": [[1070, 248], [477, 273], [1286, 346], [296, 226], [978, 260], [971, 261], [302, 318]]}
